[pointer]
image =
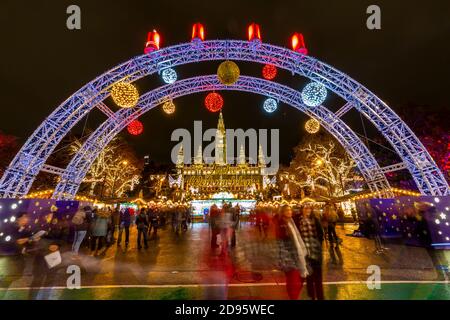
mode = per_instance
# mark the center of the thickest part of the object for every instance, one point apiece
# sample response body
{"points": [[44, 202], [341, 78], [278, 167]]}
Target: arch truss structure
{"points": [[31, 159]]}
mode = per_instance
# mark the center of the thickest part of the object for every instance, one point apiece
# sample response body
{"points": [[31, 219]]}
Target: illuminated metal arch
{"points": [[82, 161], [31, 158]]}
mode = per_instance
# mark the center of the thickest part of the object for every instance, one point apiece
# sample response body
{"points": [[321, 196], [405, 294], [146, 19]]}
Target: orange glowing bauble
{"points": [[312, 126], [269, 72], [213, 102]]}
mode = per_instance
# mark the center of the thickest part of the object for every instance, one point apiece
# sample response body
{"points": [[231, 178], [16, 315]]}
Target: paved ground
{"points": [[184, 267]]}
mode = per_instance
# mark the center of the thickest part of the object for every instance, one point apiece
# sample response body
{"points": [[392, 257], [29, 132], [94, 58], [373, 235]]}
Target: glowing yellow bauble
{"points": [[124, 94], [169, 107], [228, 72], [312, 126]]}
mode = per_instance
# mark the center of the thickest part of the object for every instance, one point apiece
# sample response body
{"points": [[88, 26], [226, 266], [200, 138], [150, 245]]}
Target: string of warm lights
{"points": [[381, 193], [359, 197], [49, 192], [290, 202]]}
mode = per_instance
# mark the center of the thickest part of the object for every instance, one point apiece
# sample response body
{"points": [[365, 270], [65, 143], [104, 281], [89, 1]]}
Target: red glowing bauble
{"points": [[213, 102], [135, 127], [269, 72]]}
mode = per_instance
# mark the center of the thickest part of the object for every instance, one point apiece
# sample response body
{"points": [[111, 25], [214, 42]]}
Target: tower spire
{"points": [[221, 142], [198, 160], [241, 160], [180, 158], [261, 157]]}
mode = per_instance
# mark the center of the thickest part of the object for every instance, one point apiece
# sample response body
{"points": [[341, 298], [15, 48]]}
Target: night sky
{"points": [[42, 62]]}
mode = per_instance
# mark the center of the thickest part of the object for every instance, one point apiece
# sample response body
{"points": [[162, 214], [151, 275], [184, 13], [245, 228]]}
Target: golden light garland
{"points": [[169, 107], [312, 126], [381, 193], [124, 94], [49, 192], [228, 72]]}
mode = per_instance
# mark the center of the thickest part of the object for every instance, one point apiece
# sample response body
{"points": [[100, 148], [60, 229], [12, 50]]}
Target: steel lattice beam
{"points": [[29, 161], [394, 167], [52, 169]]}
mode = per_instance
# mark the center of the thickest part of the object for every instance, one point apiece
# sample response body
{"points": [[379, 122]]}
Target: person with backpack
{"points": [[81, 222], [142, 224]]}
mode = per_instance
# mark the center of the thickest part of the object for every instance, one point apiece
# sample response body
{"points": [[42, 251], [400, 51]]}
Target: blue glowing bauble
{"points": [[314, 94], [169, 75], [270, 105]]}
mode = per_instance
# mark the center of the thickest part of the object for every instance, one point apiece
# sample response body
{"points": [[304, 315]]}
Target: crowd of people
{"points": [[103, 225], [299, 233]]}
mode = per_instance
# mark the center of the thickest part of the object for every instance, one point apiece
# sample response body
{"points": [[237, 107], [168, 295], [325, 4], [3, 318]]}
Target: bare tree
{"points": [[321, 165], [115, 171]]}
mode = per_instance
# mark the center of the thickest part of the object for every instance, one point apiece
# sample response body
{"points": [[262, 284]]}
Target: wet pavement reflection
{"points": [[185, 267]]}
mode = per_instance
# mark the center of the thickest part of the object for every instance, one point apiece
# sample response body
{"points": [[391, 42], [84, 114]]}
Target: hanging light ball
{"points": [[135, 128], [228, 72], [169, 107], [213, 102], [312, 126], [169, 75], [314, 94], [270, 105], [124, 94], [269, 72]]}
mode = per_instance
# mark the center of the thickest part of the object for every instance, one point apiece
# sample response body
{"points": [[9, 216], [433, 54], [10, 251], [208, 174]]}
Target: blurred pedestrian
{"points": [[115, 220], [142, 225], [153, 219], [214, 215], [291, 252], [99, 231], [226, 226], [37, 248], [312, 234], [81, 222], [331, 218], [124, 224]]}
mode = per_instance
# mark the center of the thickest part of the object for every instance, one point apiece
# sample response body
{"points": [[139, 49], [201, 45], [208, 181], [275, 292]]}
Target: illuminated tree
{"points": [[321, 166], [115, 172]]}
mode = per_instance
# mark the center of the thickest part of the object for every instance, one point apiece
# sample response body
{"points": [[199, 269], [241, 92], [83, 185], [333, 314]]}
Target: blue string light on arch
{"points": [[270, 105], [169, 75], [314, 94]]}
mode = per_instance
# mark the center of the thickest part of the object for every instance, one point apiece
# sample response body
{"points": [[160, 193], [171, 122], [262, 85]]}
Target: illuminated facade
{"points": [[241, 177]]}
